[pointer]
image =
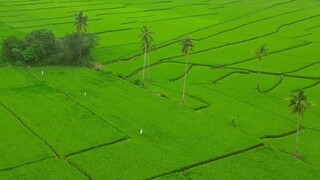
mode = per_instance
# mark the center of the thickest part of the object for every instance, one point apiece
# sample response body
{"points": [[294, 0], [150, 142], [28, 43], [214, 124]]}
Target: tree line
{"points": [[41, 47]]}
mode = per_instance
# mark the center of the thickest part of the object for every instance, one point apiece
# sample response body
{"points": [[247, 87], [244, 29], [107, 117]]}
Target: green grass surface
{"points": [[17, 78], [45, 169], [18, 146], [309, 145], [264, 163], [74, 123], [161, 136]]}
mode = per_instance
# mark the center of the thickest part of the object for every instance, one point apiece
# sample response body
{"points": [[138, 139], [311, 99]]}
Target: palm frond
{"points": [[298, 102], [146, 39], [261, 52], [81, 22], [187, 45]]}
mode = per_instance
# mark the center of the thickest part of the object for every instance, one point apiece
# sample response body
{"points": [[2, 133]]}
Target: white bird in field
{"points": [[42, 72], [85, 93], [141, 131]]}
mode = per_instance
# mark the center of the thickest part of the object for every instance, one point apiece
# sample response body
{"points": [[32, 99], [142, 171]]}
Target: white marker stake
{"points": [[42, 72], [85, 93], [141, 131]]}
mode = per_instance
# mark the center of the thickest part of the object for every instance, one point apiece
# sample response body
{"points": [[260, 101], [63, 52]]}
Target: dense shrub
{"points": [[12, 47], [41, 47], [74, 49]]}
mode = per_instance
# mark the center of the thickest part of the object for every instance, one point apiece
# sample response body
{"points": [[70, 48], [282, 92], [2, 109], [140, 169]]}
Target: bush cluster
{"points": [[42, 47]]}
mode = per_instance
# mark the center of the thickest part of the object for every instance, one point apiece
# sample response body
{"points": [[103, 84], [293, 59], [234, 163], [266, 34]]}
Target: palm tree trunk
{"points": [[80, 53], [148, 57], [297, 136], [259, 75], [185, 80], [144, 64]]}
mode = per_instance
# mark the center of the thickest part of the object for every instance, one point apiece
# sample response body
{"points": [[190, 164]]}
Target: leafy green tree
{"points": [[261, 52], [81, 22], [187, 46], [70, 45], [35, 49], [298, 104], [39, 45], [81, 27], [147, 45], [12, 47]]}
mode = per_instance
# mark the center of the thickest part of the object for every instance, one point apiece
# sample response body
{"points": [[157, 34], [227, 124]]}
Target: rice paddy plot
{"points": [[78, 128], [77, 123], [45, 169], [19, 146], [161, 138], [271, 163], [308, 145], [18, 78]]}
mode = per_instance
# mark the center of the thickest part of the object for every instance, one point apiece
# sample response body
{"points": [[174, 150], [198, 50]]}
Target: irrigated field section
{"points": [[78, 123]]}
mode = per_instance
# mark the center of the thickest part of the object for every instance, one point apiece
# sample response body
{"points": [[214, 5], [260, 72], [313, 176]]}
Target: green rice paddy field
{"points": [[50, 130]]}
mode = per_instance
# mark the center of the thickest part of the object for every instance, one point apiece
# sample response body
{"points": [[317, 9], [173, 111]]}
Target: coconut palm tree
{"points": [[298, 104], [187, 45], [261, 52], [81, 27], [147, 45]]}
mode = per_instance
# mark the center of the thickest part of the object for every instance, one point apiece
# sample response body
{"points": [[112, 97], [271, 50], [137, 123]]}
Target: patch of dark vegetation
{"points": [[161, 95], [41, 47], [138, 82]]}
